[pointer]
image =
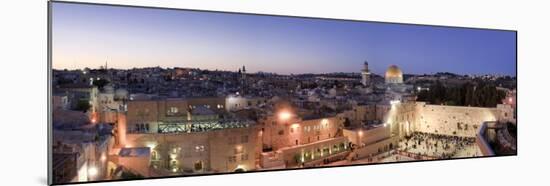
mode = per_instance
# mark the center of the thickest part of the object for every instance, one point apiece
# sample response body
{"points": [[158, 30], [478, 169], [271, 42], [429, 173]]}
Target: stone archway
{"points": [[239, 169]]}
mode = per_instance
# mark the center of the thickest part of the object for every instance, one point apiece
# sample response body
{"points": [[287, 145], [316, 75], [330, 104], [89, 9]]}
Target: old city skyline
{"points": [[138, 122]]}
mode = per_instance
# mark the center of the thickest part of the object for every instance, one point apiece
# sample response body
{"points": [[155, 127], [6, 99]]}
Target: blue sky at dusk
{"points": [[88, 35]]}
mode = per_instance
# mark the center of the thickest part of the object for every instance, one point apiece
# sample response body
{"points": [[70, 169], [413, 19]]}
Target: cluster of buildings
{"points": [[156, 122]]}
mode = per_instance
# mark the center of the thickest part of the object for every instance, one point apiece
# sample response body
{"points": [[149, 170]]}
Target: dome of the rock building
{"points": [[394, 75]]}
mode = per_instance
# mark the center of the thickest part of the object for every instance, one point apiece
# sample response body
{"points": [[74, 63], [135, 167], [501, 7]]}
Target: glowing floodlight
{"points": [[393, 102], [285, 115], [92, 171], [151, 145]]}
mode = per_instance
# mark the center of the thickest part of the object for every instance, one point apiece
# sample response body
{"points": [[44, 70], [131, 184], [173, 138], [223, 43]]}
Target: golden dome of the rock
{"points": [[394, 75]]}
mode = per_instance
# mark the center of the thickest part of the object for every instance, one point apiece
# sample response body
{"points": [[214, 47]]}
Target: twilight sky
{"points": [[127, 37]]}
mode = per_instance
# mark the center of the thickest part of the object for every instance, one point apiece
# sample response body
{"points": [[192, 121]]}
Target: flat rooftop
{"points": [[134, 152]]}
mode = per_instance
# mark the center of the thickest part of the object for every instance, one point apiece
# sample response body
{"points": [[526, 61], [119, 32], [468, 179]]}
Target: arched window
{"points": [[198, 165], [154, 155]]}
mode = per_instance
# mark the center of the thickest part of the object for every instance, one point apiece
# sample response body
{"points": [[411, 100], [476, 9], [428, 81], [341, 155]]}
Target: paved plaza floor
{"points": [[396, 158]]}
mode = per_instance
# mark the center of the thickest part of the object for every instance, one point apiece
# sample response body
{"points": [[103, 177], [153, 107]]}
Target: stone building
{"points": [[393, 75], [187, 136], [295, 141]]}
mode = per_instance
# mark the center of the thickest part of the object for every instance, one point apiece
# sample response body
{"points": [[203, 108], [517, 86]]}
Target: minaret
{"points": [[243, 80], [244, 73], [365, 74]]}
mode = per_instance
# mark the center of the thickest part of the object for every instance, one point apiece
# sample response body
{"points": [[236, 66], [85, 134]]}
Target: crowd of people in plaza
{"points": [[438, 146]]}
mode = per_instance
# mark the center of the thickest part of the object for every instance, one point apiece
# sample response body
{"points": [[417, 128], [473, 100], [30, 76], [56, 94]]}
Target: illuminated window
{"points": [[154, 155], [173, 110], [238, 150], [199, 148]]}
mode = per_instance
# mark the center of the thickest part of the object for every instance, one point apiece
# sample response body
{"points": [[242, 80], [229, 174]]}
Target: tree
{"points": [[100, 83], [478, 94], [83, 105], [347, 123]]}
